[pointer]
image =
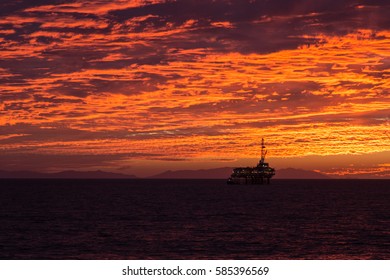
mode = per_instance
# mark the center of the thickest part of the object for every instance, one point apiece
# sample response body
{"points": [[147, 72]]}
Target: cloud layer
{"points": [[111, 83]]}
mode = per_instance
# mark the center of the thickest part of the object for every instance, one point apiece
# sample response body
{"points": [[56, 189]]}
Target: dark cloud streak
{"points": [[78, 75]]}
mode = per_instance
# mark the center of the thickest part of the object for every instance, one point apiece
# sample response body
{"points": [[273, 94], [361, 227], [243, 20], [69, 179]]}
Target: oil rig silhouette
{"points": [[260, 174]]}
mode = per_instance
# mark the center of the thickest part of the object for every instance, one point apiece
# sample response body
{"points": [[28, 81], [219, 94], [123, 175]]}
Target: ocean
{"points": [[194, 219]]}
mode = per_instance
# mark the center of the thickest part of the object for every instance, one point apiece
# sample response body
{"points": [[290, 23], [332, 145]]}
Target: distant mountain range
{"points": [[224, 173], [70, 174], [293, 173], [215, 173]]}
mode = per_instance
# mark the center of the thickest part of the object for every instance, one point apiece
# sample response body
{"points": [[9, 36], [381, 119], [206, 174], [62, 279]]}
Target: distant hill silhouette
{"points": [[224, 173], [70, 174], [293, 173], [215, 173]]}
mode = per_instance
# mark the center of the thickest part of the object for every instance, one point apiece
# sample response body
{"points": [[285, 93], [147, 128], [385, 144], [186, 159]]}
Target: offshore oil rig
{"points": [[260, 174]]}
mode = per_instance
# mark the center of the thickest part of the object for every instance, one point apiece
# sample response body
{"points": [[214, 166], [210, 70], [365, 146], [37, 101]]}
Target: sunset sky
{"points": [[143, 86]]}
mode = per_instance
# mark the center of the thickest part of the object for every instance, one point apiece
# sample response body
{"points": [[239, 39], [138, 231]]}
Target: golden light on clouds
{"points": [[144, 87]]}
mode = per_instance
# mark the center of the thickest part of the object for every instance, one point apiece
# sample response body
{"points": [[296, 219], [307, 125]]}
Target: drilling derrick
{"points": [[263, 152]]}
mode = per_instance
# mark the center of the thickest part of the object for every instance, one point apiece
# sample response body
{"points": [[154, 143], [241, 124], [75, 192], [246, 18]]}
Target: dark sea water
{"points": [[194, 219]]}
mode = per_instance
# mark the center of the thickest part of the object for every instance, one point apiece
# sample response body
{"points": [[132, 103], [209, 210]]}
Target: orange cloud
{"points": [[95, 7], [144, 88]]}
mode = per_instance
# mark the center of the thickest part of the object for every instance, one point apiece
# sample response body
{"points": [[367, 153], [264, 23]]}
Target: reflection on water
{"points": [[194, 219]]}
